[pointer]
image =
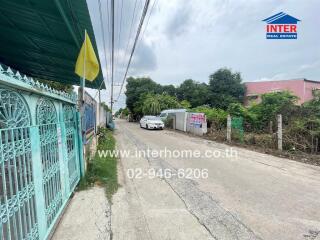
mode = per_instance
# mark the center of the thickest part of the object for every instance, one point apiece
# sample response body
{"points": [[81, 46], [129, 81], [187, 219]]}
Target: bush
{"points": [[272, 104], [216, 118], [102, 170], [168, 122], [261, 140], [250, 119]]}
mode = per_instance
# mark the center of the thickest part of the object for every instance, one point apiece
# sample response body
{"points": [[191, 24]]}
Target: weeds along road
{"points": [[246, 195]]}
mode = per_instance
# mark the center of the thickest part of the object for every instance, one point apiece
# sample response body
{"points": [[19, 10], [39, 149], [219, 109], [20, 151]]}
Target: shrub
{"points": [[216, 118], [272, 104], [250, 118], [102, 170]]}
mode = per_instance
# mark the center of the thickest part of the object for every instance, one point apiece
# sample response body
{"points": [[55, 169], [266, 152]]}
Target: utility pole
{"points": [[112, 53]]}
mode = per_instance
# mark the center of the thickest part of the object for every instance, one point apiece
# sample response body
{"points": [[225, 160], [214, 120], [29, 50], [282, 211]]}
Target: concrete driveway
{"points": [[244, 195]]}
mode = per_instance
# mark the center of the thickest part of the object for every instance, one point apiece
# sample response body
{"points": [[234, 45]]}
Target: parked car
{"points": [[151, 122]]}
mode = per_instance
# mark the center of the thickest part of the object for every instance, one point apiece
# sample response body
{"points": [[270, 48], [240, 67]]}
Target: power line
{"points": [[112, 52], [146, 5], [104, 44], [153, 5], [134, 14], [119, 34], [108, 27], [131, 26]]}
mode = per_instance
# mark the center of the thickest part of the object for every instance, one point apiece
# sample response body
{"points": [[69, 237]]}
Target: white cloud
{"points": [[192, 39]]}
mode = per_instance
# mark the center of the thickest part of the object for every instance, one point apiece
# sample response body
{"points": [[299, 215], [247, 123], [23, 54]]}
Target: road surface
{"points": [[244, 195]]}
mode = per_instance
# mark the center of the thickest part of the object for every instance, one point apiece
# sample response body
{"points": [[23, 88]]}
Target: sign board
{"points": [[197, 119]]}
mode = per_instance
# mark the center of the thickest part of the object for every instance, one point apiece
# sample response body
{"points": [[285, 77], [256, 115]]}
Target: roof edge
{"points": [[282, 80]]}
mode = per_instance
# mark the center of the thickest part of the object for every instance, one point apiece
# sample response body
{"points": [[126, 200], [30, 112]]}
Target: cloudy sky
{"points": [[193, 38]]}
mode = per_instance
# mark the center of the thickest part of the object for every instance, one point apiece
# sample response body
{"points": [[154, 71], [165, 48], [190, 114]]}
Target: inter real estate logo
{"points": [[281, 26]]}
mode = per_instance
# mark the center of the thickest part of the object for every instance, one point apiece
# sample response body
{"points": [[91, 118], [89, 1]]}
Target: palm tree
{"points": [[151, 106]]}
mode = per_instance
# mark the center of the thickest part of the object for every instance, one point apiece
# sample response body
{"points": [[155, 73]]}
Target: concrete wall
{"points": [[301, 88], [196, 123], [181, 121], [101, 117]]}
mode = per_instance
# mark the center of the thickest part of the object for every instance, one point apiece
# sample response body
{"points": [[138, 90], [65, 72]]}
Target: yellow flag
{"points": [[87, 65]]}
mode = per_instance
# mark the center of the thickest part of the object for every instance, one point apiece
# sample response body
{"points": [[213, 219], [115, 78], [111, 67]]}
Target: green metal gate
{"points": [[40, 155], [237, 128]]}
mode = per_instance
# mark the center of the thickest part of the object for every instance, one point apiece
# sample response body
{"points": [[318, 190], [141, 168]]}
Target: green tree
{"points": [[151, 105], [169, 89], [250, 118], [225, 88], [106, 107], [137, 87], [167, 102], [118, 112], [272, 104], [185, 104], [195, 93], [125, 112], [301, 124]]}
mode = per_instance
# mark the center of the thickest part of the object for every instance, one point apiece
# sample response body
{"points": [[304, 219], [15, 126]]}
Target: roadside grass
{"points": [[102, 170]]}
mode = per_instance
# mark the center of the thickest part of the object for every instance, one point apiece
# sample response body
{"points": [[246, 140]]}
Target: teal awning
{"points": [[42, 38]]}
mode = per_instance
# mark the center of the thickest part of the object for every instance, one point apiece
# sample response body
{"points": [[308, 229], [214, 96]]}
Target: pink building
{"points": [[302, 88]]}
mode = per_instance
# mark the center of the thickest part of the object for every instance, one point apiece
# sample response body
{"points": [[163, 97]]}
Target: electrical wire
{"points": [[108, 27], [134, 14], [119, 34], [104, 47], [147, 2], [112, 52], [152, 7], [131, 26]]}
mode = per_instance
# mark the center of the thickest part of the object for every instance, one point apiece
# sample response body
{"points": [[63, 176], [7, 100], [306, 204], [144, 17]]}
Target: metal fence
{"points": [[40, 155], [90, 106]]}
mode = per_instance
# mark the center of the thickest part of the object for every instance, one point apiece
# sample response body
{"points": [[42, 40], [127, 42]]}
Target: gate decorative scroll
{"points": [[40, 155], [69, 117], [18, 207], [47, 119]]}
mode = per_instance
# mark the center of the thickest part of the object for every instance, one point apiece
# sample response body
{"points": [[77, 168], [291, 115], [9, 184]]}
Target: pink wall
{"points": [[309, 86], [299, 87]]}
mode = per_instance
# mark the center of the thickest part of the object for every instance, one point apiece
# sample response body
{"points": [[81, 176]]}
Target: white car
{"points": [[151, 122]]}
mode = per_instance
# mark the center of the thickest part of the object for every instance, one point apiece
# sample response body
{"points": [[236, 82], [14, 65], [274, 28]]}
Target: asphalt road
{"points": [[244, 195]]}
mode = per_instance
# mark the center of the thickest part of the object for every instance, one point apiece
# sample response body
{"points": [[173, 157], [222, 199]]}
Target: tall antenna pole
{"points": [[112, 53]]}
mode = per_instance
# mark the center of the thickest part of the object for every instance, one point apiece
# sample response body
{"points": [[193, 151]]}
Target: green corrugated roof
{"points": [[42, 38]]}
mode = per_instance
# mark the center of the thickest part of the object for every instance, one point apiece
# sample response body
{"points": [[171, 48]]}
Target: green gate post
{"points": [[77, 143], [80, 145], [63, 158], [63, 154], [37, 178]]}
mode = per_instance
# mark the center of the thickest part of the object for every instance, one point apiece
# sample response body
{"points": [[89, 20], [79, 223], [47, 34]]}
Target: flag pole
{"points": [[84, 62], [84, 81], [81, 93]]}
